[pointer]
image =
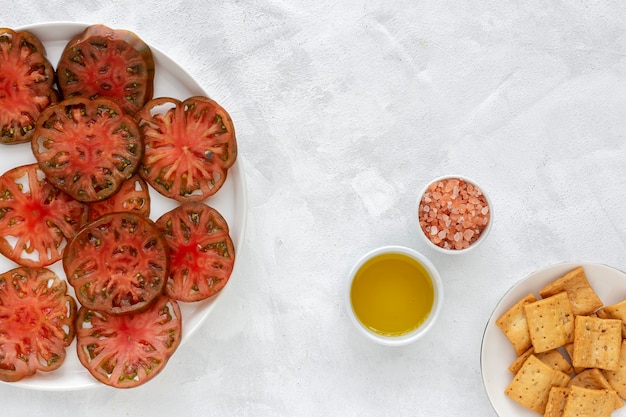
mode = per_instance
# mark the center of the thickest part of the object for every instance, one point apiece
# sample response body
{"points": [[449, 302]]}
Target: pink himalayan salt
{"points": [[453, 213]]}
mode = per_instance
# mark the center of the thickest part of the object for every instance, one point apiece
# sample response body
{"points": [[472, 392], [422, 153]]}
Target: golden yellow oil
{"points": [[392, 294]]}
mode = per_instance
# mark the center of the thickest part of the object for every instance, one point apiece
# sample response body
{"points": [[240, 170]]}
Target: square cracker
{"points": [[556, 402], [550, 322], [591, 378], [513, 324], [554, 358], [588, 402], [594, 378], [569, 348], [615, 311], [597, 343], [617, 377], [531, 385], [583, 298], [516, 365]]}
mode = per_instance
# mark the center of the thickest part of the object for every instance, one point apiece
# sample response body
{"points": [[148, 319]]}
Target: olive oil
{"points": [[392, 294]]}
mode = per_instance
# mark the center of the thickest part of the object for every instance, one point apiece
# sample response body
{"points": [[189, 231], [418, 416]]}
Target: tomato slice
{"points": [[36, 218], [36, 322], [26, 84], [127, 351], [87, 148], [189, 146], [132, 196], [117, 264], [105, 62], [202, 254]]}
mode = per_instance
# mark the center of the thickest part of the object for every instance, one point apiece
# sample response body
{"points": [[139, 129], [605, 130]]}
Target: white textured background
{"points": [[344, 111]]}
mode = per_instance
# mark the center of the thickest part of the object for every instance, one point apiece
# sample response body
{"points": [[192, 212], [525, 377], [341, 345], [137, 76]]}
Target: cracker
{"points": [[550, 322], [531, 385], [556, 402], [569, 348], [516, 365], [513, 324], [615, 311], [597, 343], [591, 378], [583, 298], [588, 402], [554, 358], [594, 378], [617, 377]]}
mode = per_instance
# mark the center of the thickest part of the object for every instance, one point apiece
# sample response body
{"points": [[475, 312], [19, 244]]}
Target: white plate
{"points": [[497, 352], [231, 201]]}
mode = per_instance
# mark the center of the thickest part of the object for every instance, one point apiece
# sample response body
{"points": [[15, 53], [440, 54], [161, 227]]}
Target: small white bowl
{"points": [[483, 234], [425, 326]]}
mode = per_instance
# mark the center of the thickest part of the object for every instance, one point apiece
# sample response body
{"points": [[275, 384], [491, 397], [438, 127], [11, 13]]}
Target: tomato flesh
{"points": [[26, 84], [127, 351], [202, 254], [36, 322], [87, 148], [105, 62], [132, 196], [36, 219], [117, 264], [189, 147]]}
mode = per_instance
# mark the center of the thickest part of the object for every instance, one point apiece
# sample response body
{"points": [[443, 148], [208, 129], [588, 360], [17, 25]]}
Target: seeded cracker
{"points": [[597, 343], [584, 402], [582, 297], [556, 402], [569, 348], [531, 385], [554, 358], [513, 324], [516, 365], [550, 322], [617, 377], [615, 311], [593, 378]]}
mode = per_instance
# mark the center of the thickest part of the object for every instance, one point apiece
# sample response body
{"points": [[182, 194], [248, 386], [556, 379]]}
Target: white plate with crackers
{"points": [[581, 344]]}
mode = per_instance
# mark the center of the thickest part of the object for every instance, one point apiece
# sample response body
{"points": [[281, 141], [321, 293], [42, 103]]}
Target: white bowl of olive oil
{"points": [[394, 295]]}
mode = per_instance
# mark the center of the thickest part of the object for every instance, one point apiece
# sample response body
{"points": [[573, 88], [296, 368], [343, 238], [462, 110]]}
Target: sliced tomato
{"points": [[36, 218], [133, 196], [87, 148], [117, 264], [127, 351], [189, 147], [202, 254], [105, 62], [36, 322], [26, 84]]}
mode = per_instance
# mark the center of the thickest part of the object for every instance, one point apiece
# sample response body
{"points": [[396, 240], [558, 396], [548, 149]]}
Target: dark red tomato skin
{"points": [[26, 84], [132, 196], [128, 351], [40, 216], [36, 322], [106, 62], [87, 148], [189, 146], [117, 264], [202, 254]]}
